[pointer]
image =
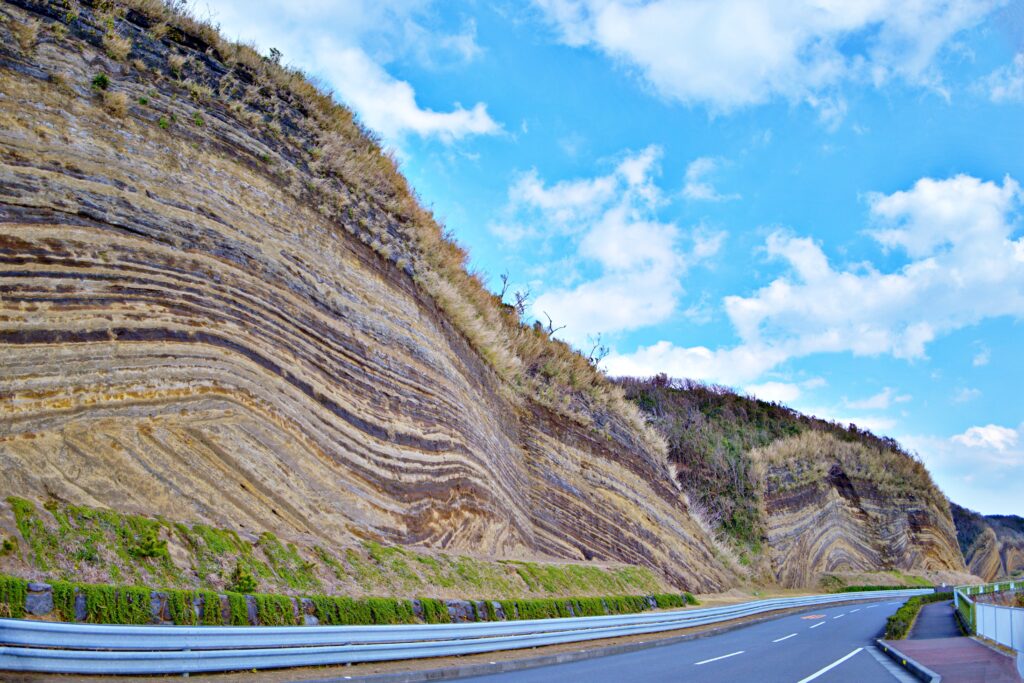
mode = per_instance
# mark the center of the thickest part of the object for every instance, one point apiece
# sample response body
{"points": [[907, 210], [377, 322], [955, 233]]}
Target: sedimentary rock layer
{"points": [[182, 336], [796, 495], [993, 545], [835, 506]]}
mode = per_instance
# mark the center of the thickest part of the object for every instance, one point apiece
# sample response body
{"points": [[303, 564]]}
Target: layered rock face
{"points": [[833, 506], [183, 334], [798, 496], [993, 545]]}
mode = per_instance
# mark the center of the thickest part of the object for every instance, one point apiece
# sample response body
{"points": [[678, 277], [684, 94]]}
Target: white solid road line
{"points": [[715, 659], [779, 640], [829, 667], [820, 623]]}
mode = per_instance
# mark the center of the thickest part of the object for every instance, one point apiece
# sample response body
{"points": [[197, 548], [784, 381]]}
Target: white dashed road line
{"points": [[820, 623], [854, 610], [828, 668], [839, 617], [871, 606], [715, 659], [779, 640]]}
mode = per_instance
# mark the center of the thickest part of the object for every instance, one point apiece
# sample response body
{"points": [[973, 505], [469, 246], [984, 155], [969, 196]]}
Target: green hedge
{"points": [[12, 597], [109, 604], [436, 612], [898, 625]]}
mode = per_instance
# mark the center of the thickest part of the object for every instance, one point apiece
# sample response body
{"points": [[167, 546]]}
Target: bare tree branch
{"points": [[551, 326]]}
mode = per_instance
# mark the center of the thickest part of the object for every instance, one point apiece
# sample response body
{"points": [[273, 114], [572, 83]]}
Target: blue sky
{"points": [[813, 202]]}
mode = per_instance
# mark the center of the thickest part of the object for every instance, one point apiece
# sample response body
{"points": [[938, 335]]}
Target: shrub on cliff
{"points": [[242, 580]]}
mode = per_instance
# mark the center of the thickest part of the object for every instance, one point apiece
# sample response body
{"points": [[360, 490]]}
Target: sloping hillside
{"points": [[799, 497], [993, 545], [221, 304]]}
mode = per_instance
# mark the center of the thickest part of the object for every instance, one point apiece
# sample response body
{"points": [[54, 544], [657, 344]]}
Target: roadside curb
{"points": [[917, 669], [456, 672]]}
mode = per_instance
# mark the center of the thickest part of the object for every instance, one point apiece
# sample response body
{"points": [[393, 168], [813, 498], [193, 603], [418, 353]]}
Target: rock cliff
{"points": [[993, 545], [799, 497], [214, 308], [837, 506]]}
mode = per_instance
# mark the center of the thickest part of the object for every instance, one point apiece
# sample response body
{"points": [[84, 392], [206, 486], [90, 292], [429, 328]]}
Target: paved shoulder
{"points": [[935, 620], [961, 659]]}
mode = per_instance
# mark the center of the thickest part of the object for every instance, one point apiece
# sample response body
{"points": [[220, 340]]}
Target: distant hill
{"points": [[993, 545]]}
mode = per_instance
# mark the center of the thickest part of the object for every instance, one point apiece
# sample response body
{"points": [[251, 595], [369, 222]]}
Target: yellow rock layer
{"points": [[181, 336]]}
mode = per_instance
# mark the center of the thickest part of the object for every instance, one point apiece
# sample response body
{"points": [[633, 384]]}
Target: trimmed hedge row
{"points": [[12, 597], [107, 604], [898, 625]]}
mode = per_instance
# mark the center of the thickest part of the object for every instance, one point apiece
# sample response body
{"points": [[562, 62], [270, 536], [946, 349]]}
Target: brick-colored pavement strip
{"points": [[961, 660]]}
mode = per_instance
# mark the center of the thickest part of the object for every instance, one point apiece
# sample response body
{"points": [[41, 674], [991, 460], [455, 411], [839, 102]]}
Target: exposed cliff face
{"points": [[835, 506], [993, 545], [185, 333], [799, 496]]}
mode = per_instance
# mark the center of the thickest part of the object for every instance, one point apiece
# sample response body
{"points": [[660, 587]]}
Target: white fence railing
{"points": [[134, 650], [1003, 625]]}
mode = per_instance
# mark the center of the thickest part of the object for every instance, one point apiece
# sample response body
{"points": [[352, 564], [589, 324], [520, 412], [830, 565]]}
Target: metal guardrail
{"points": [[133, 650]]}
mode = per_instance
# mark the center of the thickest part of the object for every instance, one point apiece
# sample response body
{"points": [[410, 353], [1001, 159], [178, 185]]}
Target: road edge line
{"points": [[522, 663], [920, 671]]}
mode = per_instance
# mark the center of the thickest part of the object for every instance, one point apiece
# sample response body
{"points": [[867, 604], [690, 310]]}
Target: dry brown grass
{"points": [[807, 458], [116, 103], [117, 47], [177, 63], [26, 33]]}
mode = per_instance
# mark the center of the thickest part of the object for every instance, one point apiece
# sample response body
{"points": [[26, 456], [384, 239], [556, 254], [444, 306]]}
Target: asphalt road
{"points": [[825, 645]]}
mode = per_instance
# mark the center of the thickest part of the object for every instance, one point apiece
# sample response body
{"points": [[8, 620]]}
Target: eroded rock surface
{"points": [[183, 333], [993, 545], [798, 496], [836, 507]]}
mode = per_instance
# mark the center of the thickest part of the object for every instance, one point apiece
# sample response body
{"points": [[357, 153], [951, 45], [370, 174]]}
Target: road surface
{"points": [[824, 645]]}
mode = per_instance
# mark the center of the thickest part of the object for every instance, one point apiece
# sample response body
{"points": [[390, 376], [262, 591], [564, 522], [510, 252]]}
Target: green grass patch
{"points": [[289, 567], [434, 611], [12, 597], [275, 610]]}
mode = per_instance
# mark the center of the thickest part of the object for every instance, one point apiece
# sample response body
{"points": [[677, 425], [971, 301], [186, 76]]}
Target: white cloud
{"points": [[349, 42], [880, 401], [733, 53], [993, 437], [974, 468], [696, 184], [965, 394], [1006, 84], [780, 392], [964, 266], [389, 106], [736, 366], [982, 357], [611, 221]]}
